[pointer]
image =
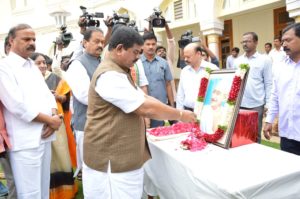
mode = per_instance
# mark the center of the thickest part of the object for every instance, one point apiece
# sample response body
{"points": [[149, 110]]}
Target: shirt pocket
{"points": [[255, 73], [160, 73]]}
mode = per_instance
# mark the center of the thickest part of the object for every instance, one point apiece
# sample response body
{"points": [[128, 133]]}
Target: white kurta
{"points": [[115, 88]]}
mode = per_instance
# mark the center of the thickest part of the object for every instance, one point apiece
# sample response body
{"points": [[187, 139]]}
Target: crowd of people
{"points": [[89, 110]]}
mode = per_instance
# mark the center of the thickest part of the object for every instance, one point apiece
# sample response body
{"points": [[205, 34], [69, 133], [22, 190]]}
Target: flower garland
{"points": [[196, 140], [201, 93]]}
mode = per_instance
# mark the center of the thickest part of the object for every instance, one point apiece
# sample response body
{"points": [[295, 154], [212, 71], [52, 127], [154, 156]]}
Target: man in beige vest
{"points": [[115, 146]]}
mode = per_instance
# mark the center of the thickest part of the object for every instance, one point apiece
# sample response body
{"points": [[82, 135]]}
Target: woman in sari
{"points": [[62, 183]]}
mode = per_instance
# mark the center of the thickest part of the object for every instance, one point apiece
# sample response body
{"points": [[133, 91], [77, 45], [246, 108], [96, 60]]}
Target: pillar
{"points": [[293, 7]]}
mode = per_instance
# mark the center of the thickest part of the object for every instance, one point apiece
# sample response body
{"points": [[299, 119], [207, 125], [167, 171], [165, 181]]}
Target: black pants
{"points": [[291, 146]]}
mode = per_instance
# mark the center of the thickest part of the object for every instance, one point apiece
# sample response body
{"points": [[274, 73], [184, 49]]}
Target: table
{"points": [[248, 171]]}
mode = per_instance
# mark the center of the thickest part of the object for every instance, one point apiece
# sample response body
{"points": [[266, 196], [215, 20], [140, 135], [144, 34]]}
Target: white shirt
{"points": [[79, 81], [259, 81], [115, 88], [276, 56], [24, 94], [142, 77], [189, 84], [285, 99], [230, 62]]}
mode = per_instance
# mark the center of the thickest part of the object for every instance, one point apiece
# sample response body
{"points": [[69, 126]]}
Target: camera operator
{"points": [[157, 20], [86, 21], [207, 53]]}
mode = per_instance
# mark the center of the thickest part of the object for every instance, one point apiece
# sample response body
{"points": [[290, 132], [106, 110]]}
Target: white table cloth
{"points": [[249, 171]]}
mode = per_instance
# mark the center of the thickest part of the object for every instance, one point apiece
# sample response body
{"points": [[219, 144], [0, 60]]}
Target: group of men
{"points": [[110, 109]]}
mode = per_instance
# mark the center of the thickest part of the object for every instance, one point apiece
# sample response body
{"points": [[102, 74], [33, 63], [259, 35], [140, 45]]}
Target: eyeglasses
{"points": [[246, 41]]}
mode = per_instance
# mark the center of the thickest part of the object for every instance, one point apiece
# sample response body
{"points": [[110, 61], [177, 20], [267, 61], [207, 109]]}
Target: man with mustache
{"points": [[78, 77], [190, 76], [259, 83], [115, 146], [30, 114], [158, 74], [285, 95]]}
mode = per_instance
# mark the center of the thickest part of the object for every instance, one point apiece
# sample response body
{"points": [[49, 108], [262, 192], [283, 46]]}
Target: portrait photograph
{"points": [[216, 108]]}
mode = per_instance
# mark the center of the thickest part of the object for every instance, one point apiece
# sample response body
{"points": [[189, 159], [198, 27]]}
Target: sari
{"points": [[62, 184]]}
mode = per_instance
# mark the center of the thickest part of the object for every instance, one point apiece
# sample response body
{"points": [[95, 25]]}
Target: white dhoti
{"points": [[79, 150], [125, 185], [31, 171]]}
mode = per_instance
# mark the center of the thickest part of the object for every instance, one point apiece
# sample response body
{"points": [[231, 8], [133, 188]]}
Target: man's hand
{"points": [[267, 130], [55, 122], [82, 24], [265, 111], [187, 116], [47, 131], [108, 22]]}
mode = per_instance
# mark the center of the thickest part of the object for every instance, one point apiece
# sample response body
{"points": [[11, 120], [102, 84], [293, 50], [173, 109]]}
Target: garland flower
{"points": [[197, 140], [201, 93]]}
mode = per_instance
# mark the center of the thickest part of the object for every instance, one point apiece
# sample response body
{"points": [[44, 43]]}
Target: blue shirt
{"points": [[259, 82], [158, 73], [285, 99]]}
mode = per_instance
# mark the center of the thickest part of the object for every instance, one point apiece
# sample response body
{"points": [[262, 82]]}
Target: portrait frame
{"points": [[217, 109]]}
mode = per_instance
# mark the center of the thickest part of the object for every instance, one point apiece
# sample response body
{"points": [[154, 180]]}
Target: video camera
{"points": [[122, 19], [187, 38], [64, 37], [132, 24], [157, 20], [89, 21]]}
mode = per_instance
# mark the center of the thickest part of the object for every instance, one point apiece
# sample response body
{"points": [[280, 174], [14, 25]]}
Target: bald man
{"points": [[190, 76]]}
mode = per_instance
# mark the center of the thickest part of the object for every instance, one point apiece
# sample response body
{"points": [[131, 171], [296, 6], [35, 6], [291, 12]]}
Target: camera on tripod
{"points": [[89, 18], [157, 20], [64, 37], [187, 38], [122, 19]]}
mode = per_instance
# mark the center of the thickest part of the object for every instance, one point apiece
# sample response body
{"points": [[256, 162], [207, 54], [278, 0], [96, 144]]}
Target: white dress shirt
{"points": [[259, 82], [142, 77], [276, 56], [230, 62], [189, 84], [24, 94], [115, 88], [79, 81], [285, 100]]}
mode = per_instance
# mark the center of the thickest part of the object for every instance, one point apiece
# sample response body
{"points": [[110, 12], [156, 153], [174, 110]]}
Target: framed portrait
{"points": [[218, 110]]}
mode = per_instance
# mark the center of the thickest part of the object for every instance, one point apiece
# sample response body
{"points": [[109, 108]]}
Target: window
{"points": [[191, 9], [21, 5], [178, 11]]}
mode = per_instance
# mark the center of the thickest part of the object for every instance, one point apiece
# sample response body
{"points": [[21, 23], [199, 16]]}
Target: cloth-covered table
{"points": [[248, 171]]}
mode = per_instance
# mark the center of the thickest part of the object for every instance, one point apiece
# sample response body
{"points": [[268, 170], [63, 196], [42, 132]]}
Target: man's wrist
{"points": [[180, 115]]}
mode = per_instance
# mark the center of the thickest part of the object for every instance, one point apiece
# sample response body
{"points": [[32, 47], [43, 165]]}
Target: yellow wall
{"points": [[260, 22]]}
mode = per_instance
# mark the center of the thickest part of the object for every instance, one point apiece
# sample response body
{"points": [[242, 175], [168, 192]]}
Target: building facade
{"points": [[220, 22]]}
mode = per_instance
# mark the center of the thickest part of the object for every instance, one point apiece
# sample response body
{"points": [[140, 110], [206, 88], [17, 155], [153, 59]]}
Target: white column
{"points": [[210, 25], [293, 7], [213, 43]]}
